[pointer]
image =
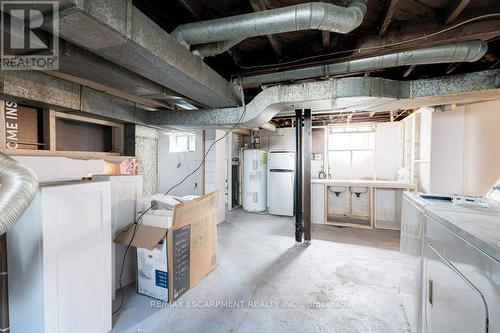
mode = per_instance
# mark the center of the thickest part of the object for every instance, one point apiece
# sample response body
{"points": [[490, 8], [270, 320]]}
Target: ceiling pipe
{"points": [[450, 53], [19, 185], [308, 16]]}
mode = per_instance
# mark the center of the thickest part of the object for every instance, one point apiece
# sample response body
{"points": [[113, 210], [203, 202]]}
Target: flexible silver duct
{"points": [[314, 15], [456, 52], [19, 185]]}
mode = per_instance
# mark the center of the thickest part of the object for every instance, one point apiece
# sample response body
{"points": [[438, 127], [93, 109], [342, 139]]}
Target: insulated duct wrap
{"points": [[457, 52], [19, 185], [307, 16]]}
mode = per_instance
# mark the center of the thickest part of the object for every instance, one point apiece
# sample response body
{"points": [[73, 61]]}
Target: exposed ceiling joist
{"points": [[388, 17], [455, 10], [452, 67], [260, 5], [193, 6], [325, 36], [367, 44], [409, 70]]}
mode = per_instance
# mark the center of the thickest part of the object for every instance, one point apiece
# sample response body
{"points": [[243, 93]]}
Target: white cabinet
{"points": [[126, 200], [318, 203], [59, 261]]}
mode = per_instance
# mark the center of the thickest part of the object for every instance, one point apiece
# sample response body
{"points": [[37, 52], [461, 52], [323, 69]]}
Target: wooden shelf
{"points": [[50, 117], [112, 157]]}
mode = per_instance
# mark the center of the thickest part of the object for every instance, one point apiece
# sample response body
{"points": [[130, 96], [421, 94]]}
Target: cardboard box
{"points": [[173, 258]]}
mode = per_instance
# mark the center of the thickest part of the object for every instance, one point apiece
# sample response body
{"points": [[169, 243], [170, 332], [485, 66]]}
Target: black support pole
{"points": [[298, 176], [307, 173], [4, 304]]}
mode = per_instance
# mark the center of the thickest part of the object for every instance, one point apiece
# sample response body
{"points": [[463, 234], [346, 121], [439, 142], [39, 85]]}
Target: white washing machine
{"points": [[461, 269], [411, 241], [450, 272]]}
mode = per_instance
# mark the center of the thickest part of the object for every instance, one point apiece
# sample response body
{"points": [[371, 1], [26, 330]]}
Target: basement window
{"points": [[182, 142], [351, 152]]}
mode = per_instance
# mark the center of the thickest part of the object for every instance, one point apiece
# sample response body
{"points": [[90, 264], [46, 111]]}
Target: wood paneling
{"points": [[73, 135]]}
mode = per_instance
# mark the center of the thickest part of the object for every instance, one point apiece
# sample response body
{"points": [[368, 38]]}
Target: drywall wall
{"points": [[146, 151], [423, 148], [174, 167], [216, 169], [465, 153], [481, 146], [53, 168], [281, 139], [447, 152], [387, 150]]}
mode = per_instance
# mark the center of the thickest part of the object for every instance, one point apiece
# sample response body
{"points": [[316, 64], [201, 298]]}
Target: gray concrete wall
{"points": [[146, 151]]}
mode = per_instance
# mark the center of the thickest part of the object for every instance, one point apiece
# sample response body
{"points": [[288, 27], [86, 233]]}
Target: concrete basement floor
{"points": [[344, 281]]}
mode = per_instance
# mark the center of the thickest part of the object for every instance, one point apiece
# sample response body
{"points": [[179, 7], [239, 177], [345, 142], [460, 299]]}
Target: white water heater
{"points": [[254, 180]]}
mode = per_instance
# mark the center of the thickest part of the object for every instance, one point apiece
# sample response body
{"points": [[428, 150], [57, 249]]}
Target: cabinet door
{"points": [[77, 258], [318, 203], [126, 196], [452, 303]]}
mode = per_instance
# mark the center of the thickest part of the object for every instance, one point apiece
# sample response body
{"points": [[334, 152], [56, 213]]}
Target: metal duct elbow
{"points": [[19, 185], [211, 49], [315, 15]]}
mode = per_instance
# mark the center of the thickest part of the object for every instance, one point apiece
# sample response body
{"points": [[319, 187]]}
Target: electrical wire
{"points": [[423, 37], [137, 222]]}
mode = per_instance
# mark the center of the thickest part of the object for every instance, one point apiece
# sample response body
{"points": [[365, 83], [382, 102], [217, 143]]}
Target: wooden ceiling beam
{"points": [[366, 44], [325, 36], [260, 5], [193, 6], [455, 10], [409, 70], [389, 14], [452, 67]]}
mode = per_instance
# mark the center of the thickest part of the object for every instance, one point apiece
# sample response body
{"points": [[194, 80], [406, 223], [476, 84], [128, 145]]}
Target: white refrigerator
{"points": [[281, 182]]}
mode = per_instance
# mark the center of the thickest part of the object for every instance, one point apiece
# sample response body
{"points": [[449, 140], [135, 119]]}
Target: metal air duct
{"points": [[18, 188], [119, 32], [307, 16], [456, 52], [355, 94]]}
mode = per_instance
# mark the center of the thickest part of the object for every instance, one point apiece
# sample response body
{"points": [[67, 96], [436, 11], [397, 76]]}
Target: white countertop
{"points": [[362, 183]]}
